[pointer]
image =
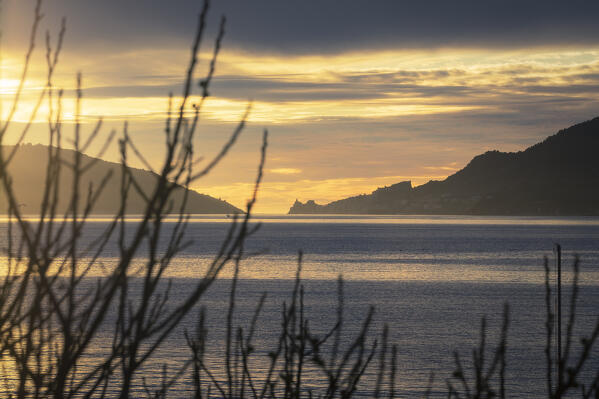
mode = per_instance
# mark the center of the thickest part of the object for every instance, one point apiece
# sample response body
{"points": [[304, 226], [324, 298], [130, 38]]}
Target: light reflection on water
{"points": [[382, 248], [368, 219], [431, 279]]}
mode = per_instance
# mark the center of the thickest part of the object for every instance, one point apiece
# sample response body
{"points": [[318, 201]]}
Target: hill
{"points": [[559, 176], [28, 173]]}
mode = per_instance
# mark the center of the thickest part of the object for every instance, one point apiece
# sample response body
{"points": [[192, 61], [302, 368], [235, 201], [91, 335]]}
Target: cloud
{"points": [[307, 27], [309, 90], [443, 168], [285, 171]]}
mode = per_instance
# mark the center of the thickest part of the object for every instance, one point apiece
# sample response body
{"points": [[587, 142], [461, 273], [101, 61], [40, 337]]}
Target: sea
{"points": [[430, 279]]}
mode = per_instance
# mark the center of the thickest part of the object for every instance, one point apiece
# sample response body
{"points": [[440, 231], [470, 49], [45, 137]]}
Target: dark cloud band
{"points": [[325, 26]]}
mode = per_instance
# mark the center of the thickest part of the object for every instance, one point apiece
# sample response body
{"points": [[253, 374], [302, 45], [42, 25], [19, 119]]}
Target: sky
{"points": [[355, 94]]}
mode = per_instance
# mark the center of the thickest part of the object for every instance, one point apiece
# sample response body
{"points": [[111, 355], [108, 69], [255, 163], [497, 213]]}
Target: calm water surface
{"points": [[430, 278]]}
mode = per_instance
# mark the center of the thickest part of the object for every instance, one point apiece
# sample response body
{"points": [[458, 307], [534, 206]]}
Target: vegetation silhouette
{"points": [[52, 312]]}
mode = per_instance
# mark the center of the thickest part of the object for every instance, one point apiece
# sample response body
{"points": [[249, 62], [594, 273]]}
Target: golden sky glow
{"points": [[342, 123], [368, 85]]}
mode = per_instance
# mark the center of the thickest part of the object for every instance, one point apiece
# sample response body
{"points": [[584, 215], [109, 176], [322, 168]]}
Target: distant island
{"points": [[28, 172], [559, 176]]}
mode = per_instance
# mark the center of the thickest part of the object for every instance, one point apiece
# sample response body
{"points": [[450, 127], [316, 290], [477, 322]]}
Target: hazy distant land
{"points": [[559, 176], [28, 172]]}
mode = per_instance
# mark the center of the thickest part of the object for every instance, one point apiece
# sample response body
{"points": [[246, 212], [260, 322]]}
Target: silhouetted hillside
{"points": [[559, 176], [28, 171]]}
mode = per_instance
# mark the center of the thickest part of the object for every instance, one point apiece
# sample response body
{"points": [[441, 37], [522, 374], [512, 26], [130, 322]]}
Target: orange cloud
{"points": [[285, 171]]}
